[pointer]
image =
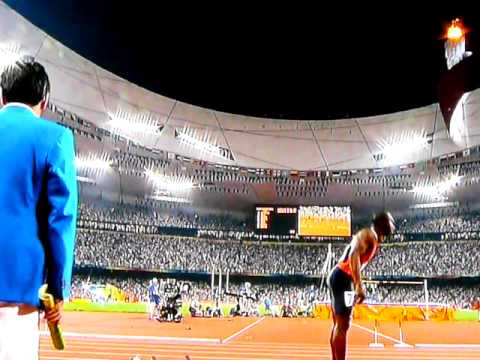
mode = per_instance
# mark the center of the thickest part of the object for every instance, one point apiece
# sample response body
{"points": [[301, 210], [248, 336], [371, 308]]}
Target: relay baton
{"points": [[55, 330]]}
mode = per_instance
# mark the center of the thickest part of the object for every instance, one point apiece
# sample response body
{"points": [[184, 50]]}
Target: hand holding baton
{"points": [[55, 330]]}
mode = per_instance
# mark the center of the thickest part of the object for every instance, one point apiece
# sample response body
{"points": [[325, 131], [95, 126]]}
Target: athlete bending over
{"points": [[346, 276]]}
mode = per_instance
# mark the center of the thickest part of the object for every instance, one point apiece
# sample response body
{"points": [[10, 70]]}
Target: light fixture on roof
{"points": [[10, 53], [393, 151], [438, 191], [441, 204], [169, 183], [126, 123], [203, 146], [85, 179], [93, 162], [168, 198]]}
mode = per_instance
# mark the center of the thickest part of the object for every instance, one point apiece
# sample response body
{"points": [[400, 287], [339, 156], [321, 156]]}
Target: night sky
{"points": [[289, 62]]}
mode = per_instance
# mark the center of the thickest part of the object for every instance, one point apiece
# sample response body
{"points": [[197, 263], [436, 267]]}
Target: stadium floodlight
{"points": [[85, 179], [437, 191], [168, 198], [93, 162], [394, 150], [202, 146], [169, 183], [10, 53], [125, 122], [441, 204], [429, 192]]}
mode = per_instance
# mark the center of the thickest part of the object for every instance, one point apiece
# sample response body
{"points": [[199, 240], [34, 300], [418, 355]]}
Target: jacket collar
{"points": [[19, 105]]}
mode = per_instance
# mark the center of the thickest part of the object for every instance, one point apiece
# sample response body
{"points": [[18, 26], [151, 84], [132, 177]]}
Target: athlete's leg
{"points": [[151, 308], [330, 283], [331, 336], [339, 341]]}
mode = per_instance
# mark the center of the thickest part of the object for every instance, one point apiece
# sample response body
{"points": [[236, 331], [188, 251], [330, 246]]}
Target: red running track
{"points": [[122, 336]]}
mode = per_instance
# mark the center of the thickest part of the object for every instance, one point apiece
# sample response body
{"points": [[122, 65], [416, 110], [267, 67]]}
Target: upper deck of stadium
{"points": [[85, 89]]}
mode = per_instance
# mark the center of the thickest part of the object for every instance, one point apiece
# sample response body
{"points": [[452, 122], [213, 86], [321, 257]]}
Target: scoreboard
{"points": [[303, 220], [324, 221], [276, 220]]}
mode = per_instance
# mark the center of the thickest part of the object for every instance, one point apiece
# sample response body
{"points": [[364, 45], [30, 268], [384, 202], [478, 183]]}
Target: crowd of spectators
{"points": [[106, 249], [126, 237], [130, 163], [146, 220], [462, 169], [135, 289], [465, 223], [453, 295], [428, 259], [452, 223]]}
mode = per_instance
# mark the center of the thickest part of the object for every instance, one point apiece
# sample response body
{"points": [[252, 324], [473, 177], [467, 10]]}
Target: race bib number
{"points": [[349, 297]]}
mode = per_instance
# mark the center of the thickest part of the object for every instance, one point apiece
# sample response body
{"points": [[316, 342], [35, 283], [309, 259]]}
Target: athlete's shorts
{"points": [[341, 291], [155, 299]]}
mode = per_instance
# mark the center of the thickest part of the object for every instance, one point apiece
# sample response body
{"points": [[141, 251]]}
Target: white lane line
{"points": [[43, 357], [233, 336], [233, 348], [453, 346], [180, 348], [137, 338], [194, 349], [391, 353], [381, 335], [380, 355], [232, 355]]}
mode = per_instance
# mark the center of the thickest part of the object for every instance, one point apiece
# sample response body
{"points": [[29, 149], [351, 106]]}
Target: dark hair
{"points": [[25, 81], [384, 223]]}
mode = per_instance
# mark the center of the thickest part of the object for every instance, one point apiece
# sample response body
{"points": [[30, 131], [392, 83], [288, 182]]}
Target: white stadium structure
{"points": [[232, 160]]}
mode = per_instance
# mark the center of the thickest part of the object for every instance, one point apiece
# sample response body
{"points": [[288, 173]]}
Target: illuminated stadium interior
{"points": [[216, 200]]}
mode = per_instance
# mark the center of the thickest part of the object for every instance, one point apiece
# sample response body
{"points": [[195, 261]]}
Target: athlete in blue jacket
{"points": [[38, 207]]}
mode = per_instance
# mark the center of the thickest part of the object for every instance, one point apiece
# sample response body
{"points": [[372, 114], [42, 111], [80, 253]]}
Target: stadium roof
{"points": [[290, 62], [96, 94]]}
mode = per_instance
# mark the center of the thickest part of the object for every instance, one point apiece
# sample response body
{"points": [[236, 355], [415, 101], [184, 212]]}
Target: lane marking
{"points": [[63, 358], [355, 354], [241, 331], [136, 337], [379, 355], [382, 335], [453, 346]]}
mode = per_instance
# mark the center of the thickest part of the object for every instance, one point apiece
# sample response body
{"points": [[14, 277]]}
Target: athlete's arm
{"points": [[359, 245], [62, 198], [373, 257]]}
